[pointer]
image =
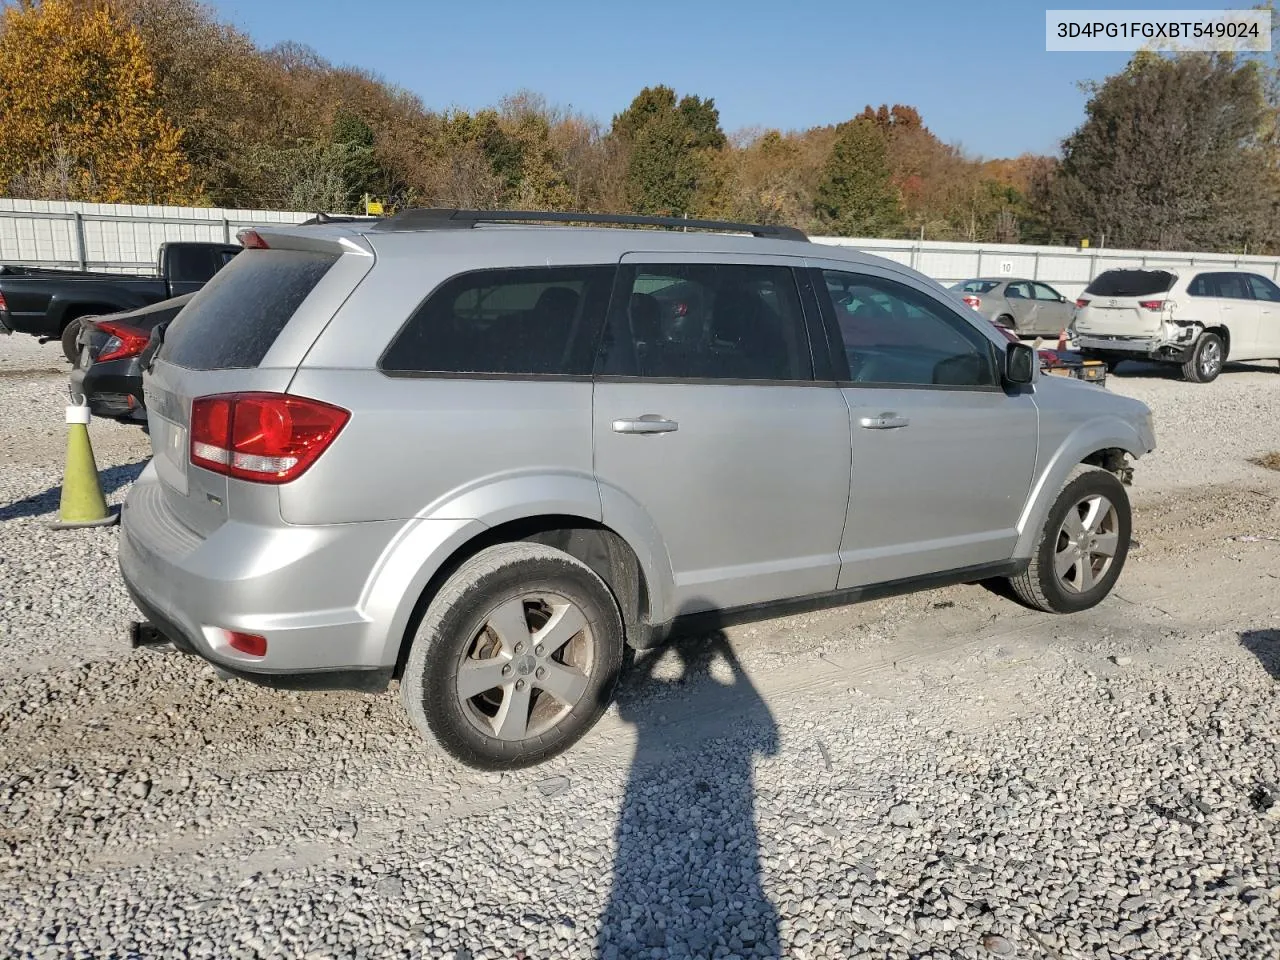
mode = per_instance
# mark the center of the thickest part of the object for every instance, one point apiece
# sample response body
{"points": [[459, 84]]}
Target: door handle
{"points": [[886, 421], [649, 423]]}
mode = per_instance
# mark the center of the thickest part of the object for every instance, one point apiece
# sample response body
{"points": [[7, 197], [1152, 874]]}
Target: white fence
{"points": [[124, 238]]}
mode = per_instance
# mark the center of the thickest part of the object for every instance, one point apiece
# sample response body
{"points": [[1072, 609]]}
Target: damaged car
{"points": [[1198, 319]]}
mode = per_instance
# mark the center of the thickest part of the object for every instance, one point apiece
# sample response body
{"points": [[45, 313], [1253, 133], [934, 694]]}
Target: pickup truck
{"points": [[50, 304]]}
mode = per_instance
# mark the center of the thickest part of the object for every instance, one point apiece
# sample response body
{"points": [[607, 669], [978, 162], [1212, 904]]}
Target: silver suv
{"points": [[482, 456]]}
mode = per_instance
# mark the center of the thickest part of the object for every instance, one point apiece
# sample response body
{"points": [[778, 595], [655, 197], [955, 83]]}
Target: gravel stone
{"points": [[986, 786]]}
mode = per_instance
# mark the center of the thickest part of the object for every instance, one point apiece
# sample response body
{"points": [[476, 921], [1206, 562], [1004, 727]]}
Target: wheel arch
{"points": [[609, 554], [1108, 443]]}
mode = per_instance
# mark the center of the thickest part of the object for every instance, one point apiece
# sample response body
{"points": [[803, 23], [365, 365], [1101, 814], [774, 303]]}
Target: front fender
{"points": [[1101, 433]]}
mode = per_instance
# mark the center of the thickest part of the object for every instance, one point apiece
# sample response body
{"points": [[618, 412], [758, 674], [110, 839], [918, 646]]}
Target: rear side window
{"points": [[236, 317], [531, 320], [1130, 283], [978, 286]]}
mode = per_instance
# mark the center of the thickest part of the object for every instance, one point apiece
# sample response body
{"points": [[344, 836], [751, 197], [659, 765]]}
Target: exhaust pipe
{"points": [[142, 634]]}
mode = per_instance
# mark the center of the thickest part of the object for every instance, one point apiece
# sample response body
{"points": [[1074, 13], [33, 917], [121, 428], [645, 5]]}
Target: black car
{"points": [[108, 371]]}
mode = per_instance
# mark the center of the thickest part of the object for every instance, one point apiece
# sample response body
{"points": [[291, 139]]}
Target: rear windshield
{"points": [[236, 317], [976, 286], [1130, 283]]}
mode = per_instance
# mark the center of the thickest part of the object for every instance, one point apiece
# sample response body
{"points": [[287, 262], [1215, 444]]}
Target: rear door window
{"points": [[523, 321], [236, 317], [707, 322], [1233, 286], [1130, 283]]}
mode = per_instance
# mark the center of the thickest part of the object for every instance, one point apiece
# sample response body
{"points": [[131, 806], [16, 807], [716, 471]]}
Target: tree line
{"points": [[158, 101]]}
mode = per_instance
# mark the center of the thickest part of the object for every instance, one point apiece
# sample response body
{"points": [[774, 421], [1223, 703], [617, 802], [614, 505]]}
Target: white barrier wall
{"points": [[124, 238]]}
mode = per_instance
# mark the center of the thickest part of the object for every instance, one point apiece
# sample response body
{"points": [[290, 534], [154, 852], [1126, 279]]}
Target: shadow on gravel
{"points": [[1265, 645], [686, 882], [111, 479]]}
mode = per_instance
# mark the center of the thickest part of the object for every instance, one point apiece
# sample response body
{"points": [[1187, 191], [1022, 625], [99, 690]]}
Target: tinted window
{"points": [[1203, 286], [1233, 286], [977, 286], [1043, 291], [196, 264], [535, 320], [894, 334], [1264, 289], [1130, 283], [235, 318], [707, 322]]}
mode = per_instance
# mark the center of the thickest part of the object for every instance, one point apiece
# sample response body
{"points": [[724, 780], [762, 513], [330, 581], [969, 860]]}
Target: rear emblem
{"points": [[1111, 303]]}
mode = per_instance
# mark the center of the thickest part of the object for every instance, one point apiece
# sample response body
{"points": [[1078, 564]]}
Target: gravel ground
{"points": [[938, 775]]}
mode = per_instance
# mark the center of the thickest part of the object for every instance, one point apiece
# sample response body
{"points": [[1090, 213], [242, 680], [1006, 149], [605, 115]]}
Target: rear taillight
{"points": [[262, 437], [1151, 304], [1082, 302], [251, 240], [126, 341], [3, 305], [972, 301]]}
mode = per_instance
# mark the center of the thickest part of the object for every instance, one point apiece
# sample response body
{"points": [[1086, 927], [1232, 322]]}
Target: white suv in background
{"points": [[1198, 319]]}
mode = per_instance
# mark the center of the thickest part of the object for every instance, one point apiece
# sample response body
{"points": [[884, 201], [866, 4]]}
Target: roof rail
{"points": [[448, 218], [332, 218]]}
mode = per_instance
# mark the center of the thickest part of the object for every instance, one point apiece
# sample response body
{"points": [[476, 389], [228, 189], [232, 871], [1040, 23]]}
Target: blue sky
{"points": [[978, 72]]}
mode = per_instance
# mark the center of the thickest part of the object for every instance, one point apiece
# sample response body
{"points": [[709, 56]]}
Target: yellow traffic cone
{"points": [[83, 504]]}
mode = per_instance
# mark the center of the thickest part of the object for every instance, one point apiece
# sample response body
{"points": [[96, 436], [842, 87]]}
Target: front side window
{"points": [[894, 334], [1264, 289], [701, 321], [530, 320]]}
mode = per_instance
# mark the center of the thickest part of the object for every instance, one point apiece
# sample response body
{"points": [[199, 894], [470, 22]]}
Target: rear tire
{"points": [[1206, 360], [1006, 321], [515, 658], [1082, 546], [69, 334]]}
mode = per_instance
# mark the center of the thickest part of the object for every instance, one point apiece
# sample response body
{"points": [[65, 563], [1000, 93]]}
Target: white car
{"points": [[1196, 318]]}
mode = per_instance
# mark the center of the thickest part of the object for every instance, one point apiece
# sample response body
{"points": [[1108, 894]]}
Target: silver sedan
{"points": [[1027, 307]]}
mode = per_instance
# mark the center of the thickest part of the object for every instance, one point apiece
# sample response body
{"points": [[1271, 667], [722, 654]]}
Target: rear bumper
{"points": [[113, 389], [305, 589], [1147, 348]]}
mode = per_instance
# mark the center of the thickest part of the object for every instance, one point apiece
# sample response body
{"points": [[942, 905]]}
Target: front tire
{"points": [[515, 658], [1206, 360], [1082, 547]]}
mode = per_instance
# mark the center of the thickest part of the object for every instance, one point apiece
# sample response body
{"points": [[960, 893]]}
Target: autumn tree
{"points": [[672, 148], [856, 196], [79, 117], [1171, 156]]}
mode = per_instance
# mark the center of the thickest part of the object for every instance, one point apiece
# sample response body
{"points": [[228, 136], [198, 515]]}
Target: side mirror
{"points": [[1019, 363]]}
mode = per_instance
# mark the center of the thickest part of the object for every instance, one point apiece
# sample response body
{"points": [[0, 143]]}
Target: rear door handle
{"points": [[649, 423], [886, 421]]}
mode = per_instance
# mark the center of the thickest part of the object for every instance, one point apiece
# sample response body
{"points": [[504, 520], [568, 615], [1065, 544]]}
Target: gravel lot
{"points": [[938, 775]]}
